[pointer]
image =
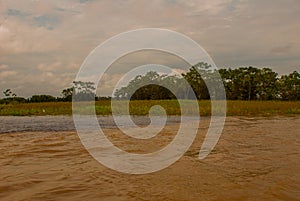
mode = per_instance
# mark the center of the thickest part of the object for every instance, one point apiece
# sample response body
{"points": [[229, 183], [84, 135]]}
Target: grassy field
{"points": [[234, 108]]}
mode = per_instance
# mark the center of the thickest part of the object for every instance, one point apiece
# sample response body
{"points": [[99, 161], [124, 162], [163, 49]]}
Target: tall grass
{"points": [[142, 107], [28, 109]]}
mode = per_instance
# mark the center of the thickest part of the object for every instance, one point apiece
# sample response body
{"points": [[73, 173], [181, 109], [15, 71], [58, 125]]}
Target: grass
{"points": [[234, 108], [28, 109]]}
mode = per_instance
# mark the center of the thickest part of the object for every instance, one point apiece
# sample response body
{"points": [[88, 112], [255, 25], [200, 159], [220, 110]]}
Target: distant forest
{"points": [[244, 83]]}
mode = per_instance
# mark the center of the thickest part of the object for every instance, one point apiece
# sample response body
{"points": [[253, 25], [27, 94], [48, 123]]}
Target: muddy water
{"points": [[255, 159], [11, 124]]}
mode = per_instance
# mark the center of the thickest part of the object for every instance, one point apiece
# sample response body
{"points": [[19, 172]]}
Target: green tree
{"points": [[244, 83], [80, 91], [150, 86], [11, 97], [84, 91], [152, 92], [42, 98], [67, 94], [249, 83], [266, 84], [197, 77], [240, 83], [289, 86]]}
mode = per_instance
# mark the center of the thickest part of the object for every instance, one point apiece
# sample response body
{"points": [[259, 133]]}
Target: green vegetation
{"points": [[250, 91], [244, 83], [28, 109], [141, 107], [82, 91]]}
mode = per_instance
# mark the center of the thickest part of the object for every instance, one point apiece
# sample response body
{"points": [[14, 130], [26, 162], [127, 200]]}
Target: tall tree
{"points": [[290, 86], [67, 93], [84, 91], [149, 86], [197, 77], [266, 84]]}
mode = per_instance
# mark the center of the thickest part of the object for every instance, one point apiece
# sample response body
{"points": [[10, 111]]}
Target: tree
{"points": [[67, 94], [84, 91], [150, 86], [289, 86], [8, 93], [249, 83], [266, 84], [11, 97], [152, 92], [227, 78], [80, 91], [244, 83], [42, 98], [197, 77]]}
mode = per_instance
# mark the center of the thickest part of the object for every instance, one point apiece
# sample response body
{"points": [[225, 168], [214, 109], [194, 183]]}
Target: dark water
{"points": [[9, 124], [38, 123]]}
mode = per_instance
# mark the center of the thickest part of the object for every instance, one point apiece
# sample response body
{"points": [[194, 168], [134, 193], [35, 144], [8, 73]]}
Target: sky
{"points": [[43, 43]]}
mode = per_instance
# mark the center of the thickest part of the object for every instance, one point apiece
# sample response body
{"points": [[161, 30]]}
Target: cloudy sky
{"points": [[43, 43]]}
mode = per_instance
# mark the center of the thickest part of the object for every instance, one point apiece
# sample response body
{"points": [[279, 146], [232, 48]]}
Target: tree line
{"points": [[244, 83], [81, 91]]}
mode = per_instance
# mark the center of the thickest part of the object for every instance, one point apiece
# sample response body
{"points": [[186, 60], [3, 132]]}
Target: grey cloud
{"points": [[70, 11], [232, 6], [17, 13], [47, 21], [85, 1]]}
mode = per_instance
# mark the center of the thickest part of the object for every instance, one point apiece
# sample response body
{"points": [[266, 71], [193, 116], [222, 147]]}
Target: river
{"points": [[256, 158]]}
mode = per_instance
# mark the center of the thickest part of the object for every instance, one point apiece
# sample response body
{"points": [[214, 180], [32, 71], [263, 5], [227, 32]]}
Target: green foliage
{"points": [[83, 91], [249, 83], [151, 86], [197, 77], [13, 100], [152, 92], [80, 91], [42, 98], [289, 86], [244, 83], [67, 94]]}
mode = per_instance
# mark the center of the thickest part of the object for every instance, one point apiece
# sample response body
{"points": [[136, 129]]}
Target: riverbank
{"points": [[141, 107]]}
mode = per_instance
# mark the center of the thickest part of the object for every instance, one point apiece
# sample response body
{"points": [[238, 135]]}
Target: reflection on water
{"points": [[255, 159]]}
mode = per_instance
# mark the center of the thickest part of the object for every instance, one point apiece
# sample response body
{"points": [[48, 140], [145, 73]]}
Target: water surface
{"points": [[10, 124], [255, 159]]}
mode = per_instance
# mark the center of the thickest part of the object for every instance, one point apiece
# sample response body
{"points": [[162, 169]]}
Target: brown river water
{"points": [[255, 159]]}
